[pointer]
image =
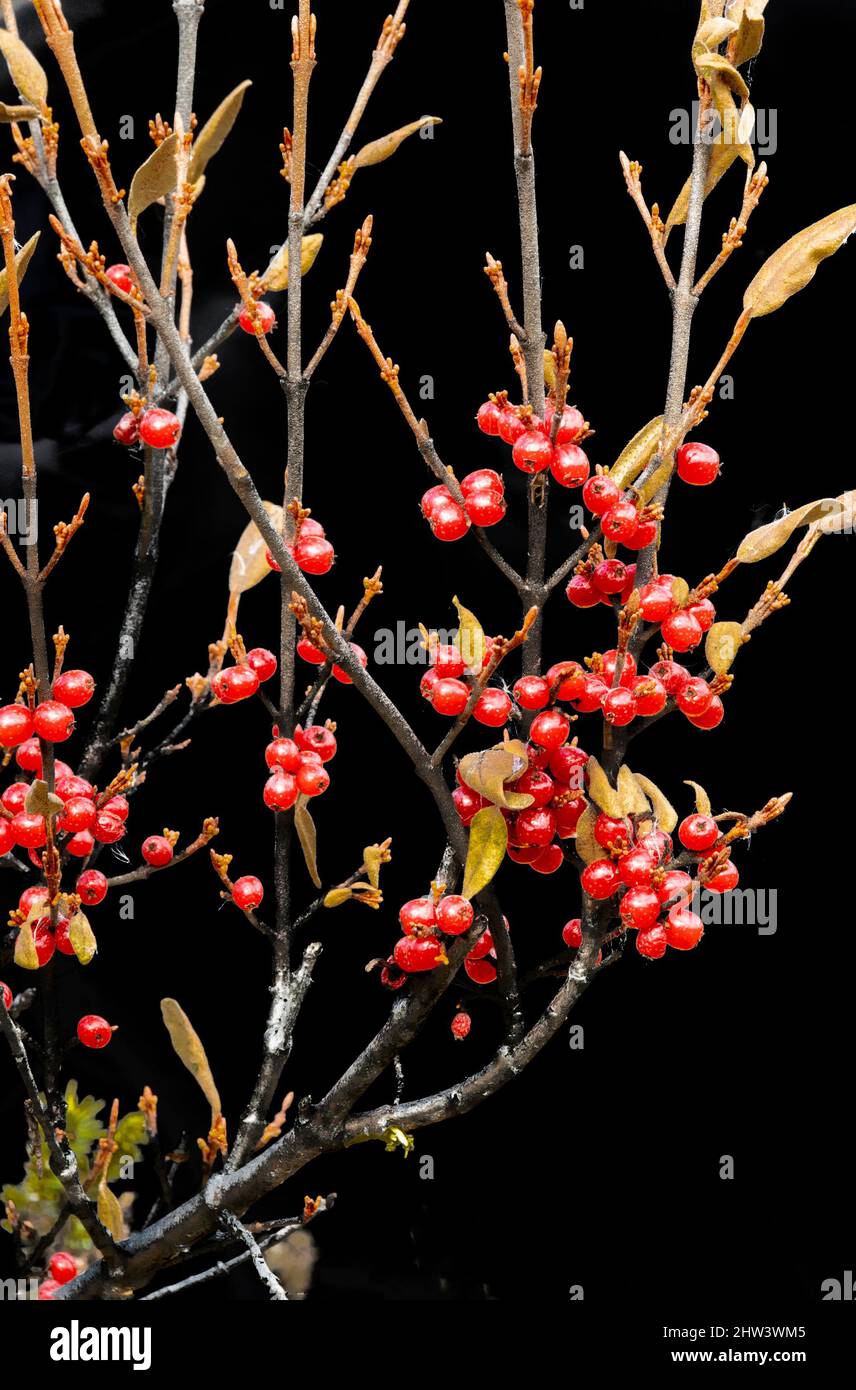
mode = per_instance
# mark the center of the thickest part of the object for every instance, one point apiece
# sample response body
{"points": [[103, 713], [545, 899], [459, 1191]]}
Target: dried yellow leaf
{"points": [[470, 641], [488, 771], [215, 130], [22, 260], [795, 264], [664, 812], [276, 276], [702, 800], [308, 837], [188, 1047], [586, 845], [154, 179], [249, 565], [82, 938], [766, 540], [487, 846], [636, 455], [601, 791], [722, 644], [379, 150], [25, 71]]}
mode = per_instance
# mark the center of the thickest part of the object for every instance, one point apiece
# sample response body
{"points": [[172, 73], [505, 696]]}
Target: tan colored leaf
{"points": [[25, 949], [25, 71], [22, 260], [276, 277], [82, 938], [702, 800], [722, 644], [308, 837], [215, 130], [715, 68], [680, 592], [750, 34], [487, 846], [602, 793], [633, 798], [379, 150], [188, 1046], [766, 540], [715, 31], [337, 896], [722, 156], [586, 845], [795, 264], [109, 1211], [488, 771], [636, 455], [154, 179], [40, 802], [664, 812], [549, 371], [249, 566], [470, 641]]}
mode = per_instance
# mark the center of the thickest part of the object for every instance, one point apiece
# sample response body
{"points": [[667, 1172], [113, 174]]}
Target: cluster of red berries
{"points": [[445, 689], [484, 505], [425, 922], [239, 682], [156, 427], [62, 1269], [296, 765], [655, 899], [538, 445], [307, 651], [311, 551]]}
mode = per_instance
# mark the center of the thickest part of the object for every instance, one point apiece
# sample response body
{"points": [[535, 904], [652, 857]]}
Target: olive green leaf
{"points": [[308, 837], [25, 948], [154, 179], [487, 846], [702, 800], [22, 260], [586, 845], [602, 793], [470, 641], [276, 276], [82, 938], [249, 565], [636, 455], [188, 1046], [25, 71], [795, 264], [549, 371], [215, 130], [109, 1211], [379, 150], [664, 812], [680, 592], [722, 644], [766, 540], [488, 771]]}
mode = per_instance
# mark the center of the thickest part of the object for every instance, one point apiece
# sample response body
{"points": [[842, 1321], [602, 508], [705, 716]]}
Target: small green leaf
{"points": [[487, 846]]}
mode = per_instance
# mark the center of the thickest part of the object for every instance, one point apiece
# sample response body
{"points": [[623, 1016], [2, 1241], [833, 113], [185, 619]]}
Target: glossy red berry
{"points": [[650, 696], [713, 715], [62, 936], [81, 845], [644, 535], [704, 613], [523, 854], [609, 577], [486, 508], [481, 972], [593, 691], [316, 738], [29, 756], [536, 784], [637, 867], [483, 947], [63, 1267], [6, 993], [566, 680], [29, 830], [493, 708], [640, 908], [435, 498], [263, 662], [308, 651], [16, 725], [673, 676], [460, 1026], [157, 851], [247, 893], [281, 791], [658, 844], [619, 706], [694, 697], [600, 493], [450, 522], [537, 826], [568, 815], [682, 631], [450, 697], [698, 832], [74, 688], [698, 464], [489, 417], [7, 836], [511, 427], [550, 728], [92, 887], [53, 721], [609, 830], [582, 593], [312, 779], [482, 480], [454, 914], [532, 692], [121, 277], [117, 806], [652, 943], [601, 879], [610, 666], [571, 425], [725, 881], [47, 1289], [415, 954], [284, 753], [79, 814], [108, 829], [94, 1031], [160, 429], [656, 602], [235, 683], [533, 452], [74, 786], [570, 465], [259, 323], [43, 940], [126, 431], [467, 803], [341, 675], [418, 915], [684, 929], [32, 897], [675, 884], [314, 555], [549, 861], [572, 933], [620, 521]]}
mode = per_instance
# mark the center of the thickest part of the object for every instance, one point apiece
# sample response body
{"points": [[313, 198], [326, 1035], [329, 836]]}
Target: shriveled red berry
{"points": [[652, 943], [600, 493], [126, 431], [121, 277], [157, 851], [235, 683], [108, 829], [259, 323], [601, 879], [63, 1267], [550, 728], [533, 452], [489, 417], [698, 464], [16, 725], [450, 697], [684, 929], [698, 832], [94, 1031], [160, 429], [74, 688], [247, 893], [682, 631], [53, 721], [92, 887], [572, 933], [415, 954], [493, 708], [281, 791], [454, 914], [263, 662], [570, 465], [460, 1026]]}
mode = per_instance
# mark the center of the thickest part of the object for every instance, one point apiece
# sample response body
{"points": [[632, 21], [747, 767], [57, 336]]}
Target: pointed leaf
{"points": [[308, 837], [636, 455], [487, 846], [722, 156], [664, 812], [702, 800], [276, 276], [215, 130], [109, 1211], [750, 34], [633, 798], [154, 179], [586, 845], [722, 644], [470, 641], [22, 260], [25, 71], [715, 68], [766, 540], [379, 150], [488, 771], [25, 948], [82, 938], [601, 791], [189, 1047], [795, 264], [715, 31], [249, 566]]}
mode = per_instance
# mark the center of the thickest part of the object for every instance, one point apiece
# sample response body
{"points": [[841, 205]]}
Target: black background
{"points": [[597, 1168]]}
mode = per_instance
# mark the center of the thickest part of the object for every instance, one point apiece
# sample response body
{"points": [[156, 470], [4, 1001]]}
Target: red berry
{"points": [[698, 832], [341, 675], [63, 936], [117, 806], [570, 465], [582, 593], [610, 665], [467, 803], [713, 715], [435, 498], [263, 662], [29, 830], [609, 577], [511, 427], [447, 661], [536, 784], [81, 845], [315, 738], [53, 721], [63, 1267], [74, 688], [524, 854], [281, 791], [538, 757], [126, 430], [74, 786], [652, 943], [568, 817], [157, 851], [79, 814], [481, 972], [674, 883], [608, 830], [725, 881], [314, 555], [235, 683], [637, 867], [698, 464], [601, 879], [29, 756], [673, 676], [108, 829], [454, 914], [450, 522], [414, 954], [259, 324], [694, 697], [309, 652], [159, 428], [704, 613], [568, 677], [47, 1289], [482, 480], [486, 508], [640, 908], [43, 940], [644, 535], [247, 893], [684, 929], [418, 915], [493, 708], [461, 1025], [391, 976], [489, 417], [572, 933], [532, 692], [620, 521], [650, 696], [7, 836], [571, 425], [16, 725], [32, 897], [655, 602], [619, 706], [593, 692], [312, 779], [682, 631], [6, 993], [94, 1031], [533, 452], [600, 493], [483, 947], [92, 887], [537, 826], [121, 277], [450, 697], [549, 860], [550, 729], [274, 563]]}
